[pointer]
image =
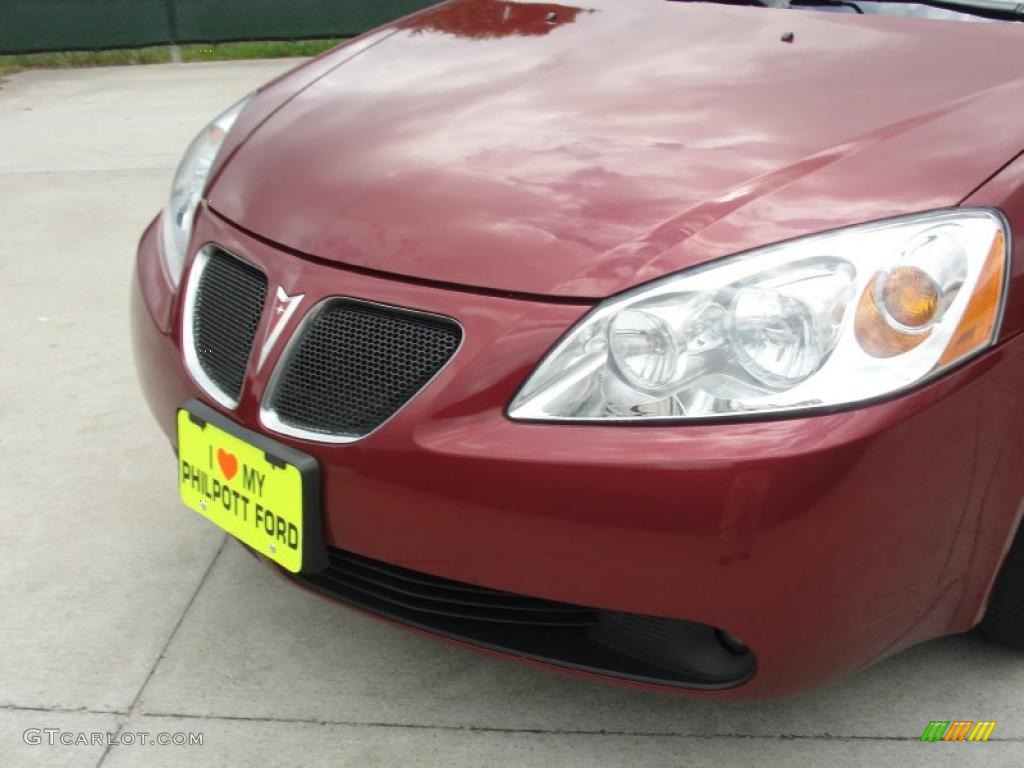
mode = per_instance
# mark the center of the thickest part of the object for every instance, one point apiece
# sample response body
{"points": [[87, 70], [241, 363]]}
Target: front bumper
{"points": [[824, 543]]}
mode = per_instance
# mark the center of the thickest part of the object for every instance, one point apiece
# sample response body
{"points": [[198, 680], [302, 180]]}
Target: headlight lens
{"points": [[188, 187], [827, 320]]}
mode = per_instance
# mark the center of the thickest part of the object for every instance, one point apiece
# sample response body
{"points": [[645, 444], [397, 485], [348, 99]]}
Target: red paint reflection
{"points": [[489, 19]]}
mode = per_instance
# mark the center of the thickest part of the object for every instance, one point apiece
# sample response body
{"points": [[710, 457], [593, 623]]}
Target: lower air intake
{"points": [[650, 649]]}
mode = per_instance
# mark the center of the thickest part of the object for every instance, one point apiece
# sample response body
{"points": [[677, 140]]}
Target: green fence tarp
{"points": [[64, 25]]}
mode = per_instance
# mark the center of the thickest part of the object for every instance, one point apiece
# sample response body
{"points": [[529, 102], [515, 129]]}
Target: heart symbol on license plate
{"points": [[228, 463]]}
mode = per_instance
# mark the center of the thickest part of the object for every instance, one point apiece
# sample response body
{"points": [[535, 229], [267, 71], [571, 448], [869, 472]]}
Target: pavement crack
{"points": [[133, 709], [824, 736], [88, 171], [61, 710]]}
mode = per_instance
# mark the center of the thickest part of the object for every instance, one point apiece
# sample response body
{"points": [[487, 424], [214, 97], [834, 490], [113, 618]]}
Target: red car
{"points": [[671, 343]]}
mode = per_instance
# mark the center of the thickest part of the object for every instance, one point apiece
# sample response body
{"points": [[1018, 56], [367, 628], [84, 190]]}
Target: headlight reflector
{"points": [[188, 187], [826, 320], [643, 350]]}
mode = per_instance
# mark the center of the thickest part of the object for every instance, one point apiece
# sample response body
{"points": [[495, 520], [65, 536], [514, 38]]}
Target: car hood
{"points": [[542, 149]]}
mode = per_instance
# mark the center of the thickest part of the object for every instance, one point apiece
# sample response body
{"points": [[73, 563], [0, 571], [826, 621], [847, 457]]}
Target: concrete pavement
{"points": [[122, 611]]}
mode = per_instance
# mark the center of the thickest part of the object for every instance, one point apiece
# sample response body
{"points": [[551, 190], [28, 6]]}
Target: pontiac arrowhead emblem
{"points": [[284, 308]]}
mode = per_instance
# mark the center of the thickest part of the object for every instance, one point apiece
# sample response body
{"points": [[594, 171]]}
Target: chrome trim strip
{"points": [[269, 417], [188, 343]]}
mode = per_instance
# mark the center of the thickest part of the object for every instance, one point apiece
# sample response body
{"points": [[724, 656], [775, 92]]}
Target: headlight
{"points": [[188, 187], [823, 321]]}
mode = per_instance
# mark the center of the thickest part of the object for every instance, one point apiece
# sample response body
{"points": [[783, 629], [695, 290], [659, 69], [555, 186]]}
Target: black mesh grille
{"points": [[229, 301], [356, 364]]}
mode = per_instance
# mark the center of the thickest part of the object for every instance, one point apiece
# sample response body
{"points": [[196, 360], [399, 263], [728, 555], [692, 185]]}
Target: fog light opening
{"points": [[732, 643], [687, 650]]}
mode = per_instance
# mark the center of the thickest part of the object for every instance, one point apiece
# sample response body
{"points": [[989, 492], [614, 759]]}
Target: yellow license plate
{"points": [[256, 495]]}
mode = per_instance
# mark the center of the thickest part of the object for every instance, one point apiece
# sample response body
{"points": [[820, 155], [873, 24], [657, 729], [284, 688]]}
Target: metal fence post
{"points": [[172, 29]]}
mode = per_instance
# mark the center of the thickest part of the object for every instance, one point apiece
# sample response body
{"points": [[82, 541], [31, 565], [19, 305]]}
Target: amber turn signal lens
{"points": [[982, 314], [911, 297], [874, 333]]}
